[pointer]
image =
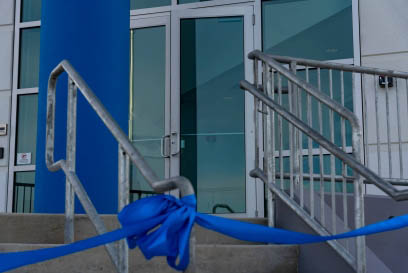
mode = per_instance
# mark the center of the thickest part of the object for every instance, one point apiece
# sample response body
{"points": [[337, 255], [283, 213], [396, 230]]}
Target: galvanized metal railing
{"points": [[312, 147], [126, 152], [384, 108]]}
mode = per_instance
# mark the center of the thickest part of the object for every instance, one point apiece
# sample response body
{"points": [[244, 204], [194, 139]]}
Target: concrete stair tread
{"points": [[17, 228], [210, 258]]}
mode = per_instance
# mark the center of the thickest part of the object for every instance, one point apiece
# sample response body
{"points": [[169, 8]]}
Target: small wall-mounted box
{"points": [[1, 152], [383, 81], [3, 129]]}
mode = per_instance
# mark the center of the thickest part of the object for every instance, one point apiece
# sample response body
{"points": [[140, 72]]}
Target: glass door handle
{"points": [[164, 146], [175, 143]]}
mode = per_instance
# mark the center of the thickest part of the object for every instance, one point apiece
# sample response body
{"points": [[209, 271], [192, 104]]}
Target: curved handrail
{"points": [[159, 186]]}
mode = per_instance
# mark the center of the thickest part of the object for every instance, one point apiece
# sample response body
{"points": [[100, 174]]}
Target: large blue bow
{"points": [[173, 220]]}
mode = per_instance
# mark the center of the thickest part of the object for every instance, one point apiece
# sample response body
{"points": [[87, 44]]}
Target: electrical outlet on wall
{"points": [[3, 129]]}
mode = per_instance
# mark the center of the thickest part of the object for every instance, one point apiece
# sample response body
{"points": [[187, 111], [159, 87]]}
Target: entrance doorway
{"points": [[188, 115]]}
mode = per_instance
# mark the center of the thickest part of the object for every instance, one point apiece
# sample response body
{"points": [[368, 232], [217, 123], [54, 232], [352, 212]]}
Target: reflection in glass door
{"points": [[327, 34], [149, 117], [211, 108]]}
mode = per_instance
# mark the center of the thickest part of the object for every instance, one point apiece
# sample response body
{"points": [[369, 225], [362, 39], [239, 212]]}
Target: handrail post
{"points": [[192, 265], [123, 200], [256, 114], [296, 150], [359, 203], [70, 161], [269, 135]]}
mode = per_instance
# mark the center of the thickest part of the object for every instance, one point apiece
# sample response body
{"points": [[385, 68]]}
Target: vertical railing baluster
{"points": [[406, 91], [358, 196], [265, 82], [310, 149], [387, 110], [295, 134], [300, 148], [343, 165], [256, 115], [269, 85], [70, 161], [291, 141], [332, 158], [377, 124], [123, 200], [399, 129], [280, 125], [321, 159], [365, 121]]}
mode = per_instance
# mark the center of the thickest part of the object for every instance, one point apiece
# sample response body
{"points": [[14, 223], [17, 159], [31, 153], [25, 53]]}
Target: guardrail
{"points": [[126, 152], [312, 147], [385, 108]]}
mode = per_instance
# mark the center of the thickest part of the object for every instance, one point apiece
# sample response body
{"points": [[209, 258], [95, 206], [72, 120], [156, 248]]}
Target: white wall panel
{"points": [[6, 12], [388, 61], [5, 97], [6, 53], [383, 26], [3, 189]]}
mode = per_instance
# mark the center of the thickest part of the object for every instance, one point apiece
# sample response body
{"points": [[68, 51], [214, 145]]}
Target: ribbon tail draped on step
{"points": [[161, 226]]}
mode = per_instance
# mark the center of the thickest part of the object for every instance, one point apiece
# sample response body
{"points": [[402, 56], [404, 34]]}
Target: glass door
{"points": [[211, 116], [149, 118]]}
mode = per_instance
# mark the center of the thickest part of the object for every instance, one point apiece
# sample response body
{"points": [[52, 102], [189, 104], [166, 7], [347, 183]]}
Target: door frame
{"points": [[147, 22], [254, 205]]}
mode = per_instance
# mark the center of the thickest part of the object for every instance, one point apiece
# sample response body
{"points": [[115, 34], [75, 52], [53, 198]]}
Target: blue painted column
{"points": [[94, 37]]}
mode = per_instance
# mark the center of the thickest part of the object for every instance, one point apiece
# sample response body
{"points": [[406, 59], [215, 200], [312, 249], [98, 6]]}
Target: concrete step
{"points": [[210, 259], [49, 229]]}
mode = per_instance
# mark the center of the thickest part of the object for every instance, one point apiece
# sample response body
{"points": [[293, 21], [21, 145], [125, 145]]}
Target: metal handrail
{"points": [[380, 77], [323, 98], [329, 65], [158, 185], [127, 151]]}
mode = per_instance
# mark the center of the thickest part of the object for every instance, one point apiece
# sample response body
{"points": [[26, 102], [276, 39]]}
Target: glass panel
{"points": [[325, 87], [213, 111], [30, 10], [148, 102], [314, 29], [26, 129], [23, 192], [29, 58], [142, 4]]}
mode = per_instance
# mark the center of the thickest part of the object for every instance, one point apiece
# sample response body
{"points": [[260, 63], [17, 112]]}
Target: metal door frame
{"points": [[147, 22]]}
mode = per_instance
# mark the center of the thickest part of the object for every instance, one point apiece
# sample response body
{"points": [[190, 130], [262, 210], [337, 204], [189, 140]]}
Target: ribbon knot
{"points": [[167, 223]]}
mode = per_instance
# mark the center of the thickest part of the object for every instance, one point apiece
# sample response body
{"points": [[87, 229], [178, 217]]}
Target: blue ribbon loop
{"points": [[161, 226]]}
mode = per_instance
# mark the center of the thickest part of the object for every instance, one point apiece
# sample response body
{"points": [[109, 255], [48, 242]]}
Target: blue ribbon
{"points": [[171, 220]]}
